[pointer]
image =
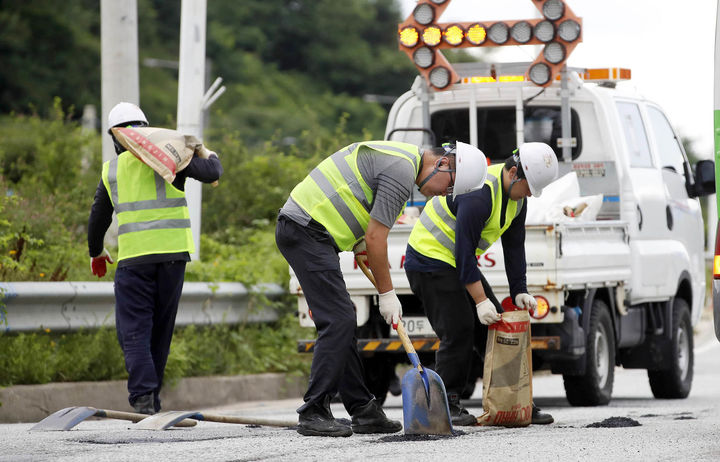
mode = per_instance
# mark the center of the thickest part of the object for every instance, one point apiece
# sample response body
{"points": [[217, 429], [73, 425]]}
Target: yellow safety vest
{"points": [[335, 194], [434, 233], [152, 214]]}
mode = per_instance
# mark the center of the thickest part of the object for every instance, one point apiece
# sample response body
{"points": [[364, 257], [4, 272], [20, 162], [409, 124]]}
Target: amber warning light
{"points": [[422, 37]]}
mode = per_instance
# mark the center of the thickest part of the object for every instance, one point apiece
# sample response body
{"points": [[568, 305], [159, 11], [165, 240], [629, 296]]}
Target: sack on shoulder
{"points": [[164, 150], [507, 376]]}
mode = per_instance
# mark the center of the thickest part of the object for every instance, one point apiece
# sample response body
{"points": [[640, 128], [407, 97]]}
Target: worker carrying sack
{"points": [[507, 377], [165, 151]]}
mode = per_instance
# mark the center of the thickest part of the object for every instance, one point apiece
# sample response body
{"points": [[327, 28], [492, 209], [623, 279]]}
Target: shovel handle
{"points": [[136, 417], [244, 420], [366, 271], [409, 348], [400, 328]]}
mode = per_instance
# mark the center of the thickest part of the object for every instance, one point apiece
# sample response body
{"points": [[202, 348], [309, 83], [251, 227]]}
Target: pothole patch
{"points": [[615, 422]]}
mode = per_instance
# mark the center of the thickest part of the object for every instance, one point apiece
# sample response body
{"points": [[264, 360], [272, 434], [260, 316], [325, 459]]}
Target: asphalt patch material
{"points": [[406, 438], [615, 422]]}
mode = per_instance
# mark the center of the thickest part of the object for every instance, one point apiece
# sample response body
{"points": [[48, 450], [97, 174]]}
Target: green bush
{"points": [[48, 178], [94, 354]]}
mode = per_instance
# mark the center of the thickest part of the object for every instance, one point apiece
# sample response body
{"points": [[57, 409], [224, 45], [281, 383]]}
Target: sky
{"points": [[668, 45]]}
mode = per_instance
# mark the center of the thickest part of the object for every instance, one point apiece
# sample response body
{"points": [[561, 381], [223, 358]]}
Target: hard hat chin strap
{"points": [[512, 183], [435, 171]]}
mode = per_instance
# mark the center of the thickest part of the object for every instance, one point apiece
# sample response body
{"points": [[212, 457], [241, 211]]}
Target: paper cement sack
{"points": [[507, 377], [165, 151]]}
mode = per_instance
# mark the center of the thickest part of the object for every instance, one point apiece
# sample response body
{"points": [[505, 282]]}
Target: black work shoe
{"points": [[317, 420], [540, 418], [370, 418], [144, 405], [459, 415]]}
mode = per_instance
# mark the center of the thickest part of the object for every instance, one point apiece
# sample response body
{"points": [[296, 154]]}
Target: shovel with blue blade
{"points": [[425, 403]]}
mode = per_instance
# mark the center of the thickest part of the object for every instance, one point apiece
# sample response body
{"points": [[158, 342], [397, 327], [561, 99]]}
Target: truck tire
{"points": [[594, 387], [675, 381]]}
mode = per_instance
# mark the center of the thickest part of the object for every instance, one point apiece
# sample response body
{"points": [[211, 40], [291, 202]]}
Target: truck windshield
{"points": [[496, 128]]}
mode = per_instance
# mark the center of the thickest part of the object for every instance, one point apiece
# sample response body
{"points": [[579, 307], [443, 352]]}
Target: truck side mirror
{"points": [[704, 178]]}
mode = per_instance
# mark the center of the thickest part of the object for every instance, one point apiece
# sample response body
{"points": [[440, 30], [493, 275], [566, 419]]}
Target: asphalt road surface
{"points": [[687, 430]]}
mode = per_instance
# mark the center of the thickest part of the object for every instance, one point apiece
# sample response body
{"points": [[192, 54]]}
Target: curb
{"points": [[32, 403]]}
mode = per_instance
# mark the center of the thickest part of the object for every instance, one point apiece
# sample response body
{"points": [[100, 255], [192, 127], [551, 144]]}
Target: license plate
{"points": [[416, 326]]}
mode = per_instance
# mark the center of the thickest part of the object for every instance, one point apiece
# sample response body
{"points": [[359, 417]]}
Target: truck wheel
{"points": [[595, 386], [675, 381]]}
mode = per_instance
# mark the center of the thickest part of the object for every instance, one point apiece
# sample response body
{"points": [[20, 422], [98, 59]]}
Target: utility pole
{"points": [[120, 76], [191, 86], [119, 62], [193, 101]]}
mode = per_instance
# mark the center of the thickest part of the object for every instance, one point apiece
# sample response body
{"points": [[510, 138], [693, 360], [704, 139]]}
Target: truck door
{"points": [[649, 261], [683, 214]]}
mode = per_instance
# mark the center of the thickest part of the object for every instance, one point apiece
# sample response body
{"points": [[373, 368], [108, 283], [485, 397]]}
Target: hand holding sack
{"points": [[165, 151], [487, 313], [98, 265], [525, 302], [390, 307]]}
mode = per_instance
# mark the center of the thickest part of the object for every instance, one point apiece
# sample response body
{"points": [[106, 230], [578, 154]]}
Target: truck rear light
{"points": [[716, 260], [542, 310], [543, 307]]}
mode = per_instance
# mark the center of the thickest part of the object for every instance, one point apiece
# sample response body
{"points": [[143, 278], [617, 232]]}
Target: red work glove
{"points": [[98, 264]]}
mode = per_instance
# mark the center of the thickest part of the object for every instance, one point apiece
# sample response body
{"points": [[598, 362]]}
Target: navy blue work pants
{"points": [[336, 365], [453, 316], [146, 302]]}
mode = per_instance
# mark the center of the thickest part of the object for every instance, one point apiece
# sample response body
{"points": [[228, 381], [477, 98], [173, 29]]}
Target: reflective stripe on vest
{"points": [[434, 233], [336, 195], [153, 217]]}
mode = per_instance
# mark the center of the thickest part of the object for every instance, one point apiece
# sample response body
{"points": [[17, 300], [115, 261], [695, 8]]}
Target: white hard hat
{"points": [[539, 164], [471, 169], [124, 113]]}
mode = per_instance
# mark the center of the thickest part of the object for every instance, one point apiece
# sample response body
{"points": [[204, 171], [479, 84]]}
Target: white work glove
{"points": [[205, 153], [486, 312], [525, 301], [390, 307], [98, 265]]}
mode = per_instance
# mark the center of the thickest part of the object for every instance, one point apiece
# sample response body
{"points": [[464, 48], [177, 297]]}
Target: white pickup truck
{"points": [[622, 289]]}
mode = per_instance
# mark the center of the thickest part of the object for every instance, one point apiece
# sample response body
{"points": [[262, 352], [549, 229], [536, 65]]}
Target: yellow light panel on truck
{"points": [[432, 36], [476, 34], [716, 267], [454, 35], [409, 36], [612, 74], [558, 29]]}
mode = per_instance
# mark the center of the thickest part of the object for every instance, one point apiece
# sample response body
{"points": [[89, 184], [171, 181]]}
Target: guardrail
{"points": [[74, 305]]}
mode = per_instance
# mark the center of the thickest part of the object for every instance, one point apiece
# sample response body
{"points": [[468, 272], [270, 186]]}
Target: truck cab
{"points": [[621, 288]]}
